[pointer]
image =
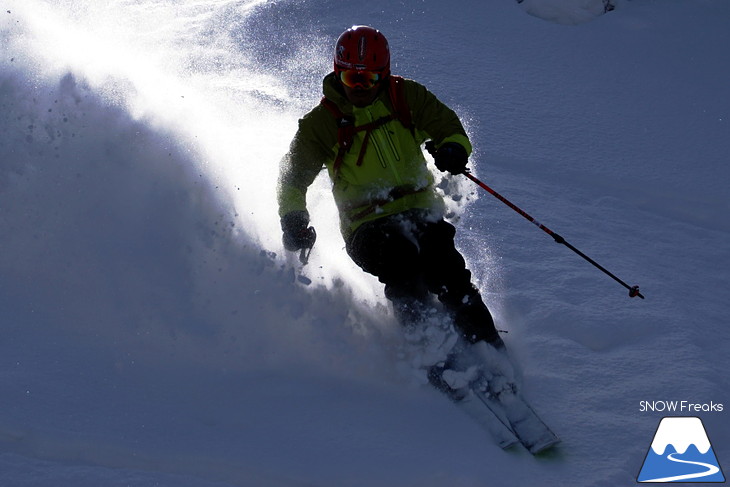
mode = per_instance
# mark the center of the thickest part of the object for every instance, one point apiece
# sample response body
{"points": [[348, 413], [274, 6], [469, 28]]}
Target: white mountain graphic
{"points": [[681, 432]]}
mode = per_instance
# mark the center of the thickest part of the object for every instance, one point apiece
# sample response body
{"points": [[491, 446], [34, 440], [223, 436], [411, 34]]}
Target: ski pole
{"points": [[633, 290]]}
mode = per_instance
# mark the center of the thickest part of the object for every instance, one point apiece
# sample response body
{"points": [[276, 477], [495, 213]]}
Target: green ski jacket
{"points": [[392, 177]]}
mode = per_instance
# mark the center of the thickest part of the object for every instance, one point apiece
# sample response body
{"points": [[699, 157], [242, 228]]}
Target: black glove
{"points": [[451, 157], [297, 232]]}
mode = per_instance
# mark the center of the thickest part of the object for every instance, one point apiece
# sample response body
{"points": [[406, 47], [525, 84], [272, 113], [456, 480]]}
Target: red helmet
{"points": [[362, 48]]}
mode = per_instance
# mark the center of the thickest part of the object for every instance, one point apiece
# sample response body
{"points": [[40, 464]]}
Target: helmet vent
{"points": [[362, 48]]}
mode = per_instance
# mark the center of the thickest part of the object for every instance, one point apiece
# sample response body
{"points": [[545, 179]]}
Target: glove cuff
{"points": [[294, 221]]}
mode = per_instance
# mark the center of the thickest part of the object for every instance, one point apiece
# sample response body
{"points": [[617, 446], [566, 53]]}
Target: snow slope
{"points": [[154, 333]]}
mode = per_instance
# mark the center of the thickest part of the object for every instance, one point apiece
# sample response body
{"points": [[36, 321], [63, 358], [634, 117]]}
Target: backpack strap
{"points": [[345, 130], [368, 129]]}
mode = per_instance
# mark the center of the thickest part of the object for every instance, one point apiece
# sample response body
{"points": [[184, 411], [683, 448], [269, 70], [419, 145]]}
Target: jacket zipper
{"points": [[389, 138], [378, 135]]}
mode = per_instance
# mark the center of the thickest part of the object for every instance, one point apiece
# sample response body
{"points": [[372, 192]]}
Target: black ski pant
{"points": [[415, 257]]}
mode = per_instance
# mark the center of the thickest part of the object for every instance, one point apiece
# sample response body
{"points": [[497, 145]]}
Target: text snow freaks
{"points": [[679, 407]]}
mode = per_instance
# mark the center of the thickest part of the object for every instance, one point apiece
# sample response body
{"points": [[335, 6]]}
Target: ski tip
{"points": [[545, 448], [509, 444]]}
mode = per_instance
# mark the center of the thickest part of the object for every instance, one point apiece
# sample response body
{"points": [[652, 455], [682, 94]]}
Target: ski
{"points": [[523, 421], [480, 378], [498, 427]]}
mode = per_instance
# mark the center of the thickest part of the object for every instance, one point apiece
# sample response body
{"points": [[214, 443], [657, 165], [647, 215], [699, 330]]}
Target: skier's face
{"points": [[361, 97]]}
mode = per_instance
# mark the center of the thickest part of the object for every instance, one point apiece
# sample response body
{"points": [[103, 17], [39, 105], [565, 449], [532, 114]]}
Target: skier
{"points": [[368, 131]]}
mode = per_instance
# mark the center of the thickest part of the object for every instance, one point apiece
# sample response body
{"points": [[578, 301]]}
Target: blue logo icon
{"points": [[681, 452]]}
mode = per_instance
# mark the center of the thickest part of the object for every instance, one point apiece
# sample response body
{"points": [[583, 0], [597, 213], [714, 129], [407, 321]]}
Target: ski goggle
{"points": [[353, 78]]}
